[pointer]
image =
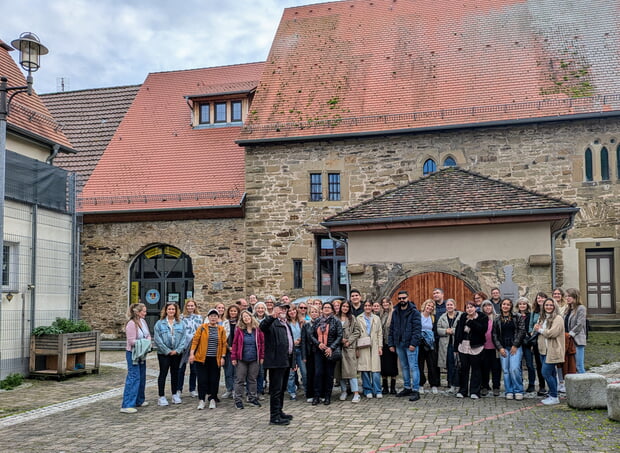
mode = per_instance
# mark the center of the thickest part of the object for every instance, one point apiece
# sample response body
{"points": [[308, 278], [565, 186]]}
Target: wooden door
{"points": [[420, 287], [599, 277]]}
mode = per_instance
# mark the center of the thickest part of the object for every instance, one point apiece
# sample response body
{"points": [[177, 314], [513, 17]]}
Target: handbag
{"points": [[363, 342], [531, 340], [336, 354]]}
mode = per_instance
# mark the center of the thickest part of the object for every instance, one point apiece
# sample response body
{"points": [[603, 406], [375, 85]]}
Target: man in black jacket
{"points": [[404, 339], [278, 360]]}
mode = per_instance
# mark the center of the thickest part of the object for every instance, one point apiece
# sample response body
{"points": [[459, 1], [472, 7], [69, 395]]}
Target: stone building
{"points": [[360, 97], [356, 99]]}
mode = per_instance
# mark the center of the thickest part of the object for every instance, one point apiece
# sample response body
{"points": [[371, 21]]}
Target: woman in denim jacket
{"points": [[170, 341]]}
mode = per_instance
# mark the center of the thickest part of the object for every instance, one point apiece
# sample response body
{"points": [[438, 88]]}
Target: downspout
{"points": [[346, 257], [33, 267], [554, 236], [51, 157]]}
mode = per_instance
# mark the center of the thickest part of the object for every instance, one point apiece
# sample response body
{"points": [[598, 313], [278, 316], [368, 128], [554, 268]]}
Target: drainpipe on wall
{"points": [[554, 236], [33, 266], [51, 157], [346, 257]]}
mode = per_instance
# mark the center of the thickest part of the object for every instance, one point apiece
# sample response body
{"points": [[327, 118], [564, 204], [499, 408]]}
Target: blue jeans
{"points": [[293, 374], [549, 373], [371, 382], [352, 382], [511, 367], [135, 383], [260, 380], [580, 357], [528, 355], [229, 373], [409, 365]]}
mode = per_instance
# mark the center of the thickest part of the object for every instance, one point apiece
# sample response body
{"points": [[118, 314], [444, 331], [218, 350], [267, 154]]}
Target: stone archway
{"points": [[420, 287]]}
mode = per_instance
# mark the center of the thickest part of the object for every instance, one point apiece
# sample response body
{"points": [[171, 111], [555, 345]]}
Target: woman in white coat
{"points": [[446, 326], [369, 360]]}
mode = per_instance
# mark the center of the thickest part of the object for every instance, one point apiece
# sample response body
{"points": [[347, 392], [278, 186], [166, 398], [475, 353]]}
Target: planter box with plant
{"points": [[60, 349]]}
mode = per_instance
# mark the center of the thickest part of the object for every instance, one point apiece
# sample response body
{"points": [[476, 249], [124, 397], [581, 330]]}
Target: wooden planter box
{"points": [[63, 354]]}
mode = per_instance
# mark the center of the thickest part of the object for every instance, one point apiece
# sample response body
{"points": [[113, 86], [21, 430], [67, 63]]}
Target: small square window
{"points": [[235, 111], [220, 112], [316, 187], [334, 186], [205, 113]]}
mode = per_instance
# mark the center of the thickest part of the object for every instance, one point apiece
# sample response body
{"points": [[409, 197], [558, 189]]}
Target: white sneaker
{"points": [[309, 400], [459, 395], [379, 396], [452, 390], [421, 390], [369, 395], [549, 401], [146, 403], [562, 388], [201, 405], [212, 404], [129, 410], [194, 394], [343, 396], [509, 396], [176, 399], [178, 393], [518, 396], [162, 401], [356, 398], [227, 395], [434, 390], [473, 396]]}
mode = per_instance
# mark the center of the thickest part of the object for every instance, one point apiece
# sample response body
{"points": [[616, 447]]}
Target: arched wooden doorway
{"points": [[420, 287]]}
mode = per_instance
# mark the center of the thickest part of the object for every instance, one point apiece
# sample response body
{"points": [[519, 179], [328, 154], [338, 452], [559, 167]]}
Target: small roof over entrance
{"points": [[452, 197]]}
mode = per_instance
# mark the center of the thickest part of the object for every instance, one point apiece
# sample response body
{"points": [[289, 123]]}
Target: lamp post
{"points": [[30, 50]]}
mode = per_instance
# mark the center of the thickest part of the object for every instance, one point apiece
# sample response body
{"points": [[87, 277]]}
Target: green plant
{"points": [[62, 325], [11, 381]]}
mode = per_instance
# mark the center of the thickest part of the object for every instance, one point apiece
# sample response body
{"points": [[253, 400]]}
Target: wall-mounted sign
{"points": [[173, 297], [152, 296]]}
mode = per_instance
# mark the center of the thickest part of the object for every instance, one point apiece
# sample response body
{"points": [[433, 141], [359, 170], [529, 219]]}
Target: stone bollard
{"points": [[613, 401], [586, 391]]}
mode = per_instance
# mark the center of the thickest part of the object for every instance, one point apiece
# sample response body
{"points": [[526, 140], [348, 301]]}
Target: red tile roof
{"points": [[157, 161], [28, 113], [89, 118], [453, 195], [374, 65]]}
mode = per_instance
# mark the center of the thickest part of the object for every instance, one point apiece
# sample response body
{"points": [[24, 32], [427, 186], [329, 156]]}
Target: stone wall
{"points": [[216, 247], [548, 158]]}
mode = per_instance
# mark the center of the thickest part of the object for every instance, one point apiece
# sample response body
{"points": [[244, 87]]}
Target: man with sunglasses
{"points": [[404, 339]]}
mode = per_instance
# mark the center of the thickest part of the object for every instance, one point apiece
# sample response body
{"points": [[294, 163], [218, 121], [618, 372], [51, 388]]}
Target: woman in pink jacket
{"points": [[248, 351]]}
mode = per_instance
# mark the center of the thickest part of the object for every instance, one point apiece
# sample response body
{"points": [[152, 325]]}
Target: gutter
{"points": [[419, 130], [464, 215], [52, 156], [136, 211]]}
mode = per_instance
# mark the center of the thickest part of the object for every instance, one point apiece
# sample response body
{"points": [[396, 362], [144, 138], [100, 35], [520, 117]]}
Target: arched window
{"points": [[588, 164], [449, 162], [429, 167], [604, 164]]}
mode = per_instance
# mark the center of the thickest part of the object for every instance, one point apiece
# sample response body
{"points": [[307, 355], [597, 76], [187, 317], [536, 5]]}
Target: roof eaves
{"points": [[419, 130], [38, 138], [222, 93]]}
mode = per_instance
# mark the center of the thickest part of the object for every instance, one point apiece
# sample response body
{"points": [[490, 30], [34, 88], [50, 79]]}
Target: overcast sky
{"points": [[101, 43]]}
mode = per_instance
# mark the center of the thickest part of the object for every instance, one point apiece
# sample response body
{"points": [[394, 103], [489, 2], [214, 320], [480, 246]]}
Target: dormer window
{"points": [[218, 112]]}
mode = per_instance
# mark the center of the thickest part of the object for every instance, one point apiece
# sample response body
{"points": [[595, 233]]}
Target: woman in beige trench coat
{"points": [[369, 358], [348, 364]]}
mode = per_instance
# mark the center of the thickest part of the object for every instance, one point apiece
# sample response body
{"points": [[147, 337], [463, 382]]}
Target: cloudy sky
{"points": [[101, 43]]}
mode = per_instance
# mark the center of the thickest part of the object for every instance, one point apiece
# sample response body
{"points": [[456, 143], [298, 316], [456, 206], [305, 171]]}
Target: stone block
{"points": [[586, 391], [613, 401]]}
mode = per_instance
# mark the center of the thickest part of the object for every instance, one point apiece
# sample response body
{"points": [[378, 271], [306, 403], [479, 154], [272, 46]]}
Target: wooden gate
{"points": [[420, 287]]}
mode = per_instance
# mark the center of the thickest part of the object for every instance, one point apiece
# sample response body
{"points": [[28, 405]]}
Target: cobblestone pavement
{"points": [[82, 415]]}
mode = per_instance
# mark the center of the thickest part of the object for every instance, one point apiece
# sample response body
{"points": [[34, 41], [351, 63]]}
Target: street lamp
{"points": [[30, 51]]}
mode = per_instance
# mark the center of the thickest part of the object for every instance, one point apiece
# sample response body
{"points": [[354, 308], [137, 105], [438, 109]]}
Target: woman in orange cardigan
{"points": [[208, 350]]}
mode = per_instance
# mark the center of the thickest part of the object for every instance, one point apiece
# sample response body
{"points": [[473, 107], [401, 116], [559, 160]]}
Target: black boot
{"points": [[385, 387], [393, 387]]}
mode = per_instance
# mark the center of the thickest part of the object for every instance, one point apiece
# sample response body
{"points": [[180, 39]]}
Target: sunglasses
{"points": [[303, 308], [402, 298]]}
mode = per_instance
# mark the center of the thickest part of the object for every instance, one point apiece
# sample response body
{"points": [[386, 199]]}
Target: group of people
{"points": [[312, 345]]}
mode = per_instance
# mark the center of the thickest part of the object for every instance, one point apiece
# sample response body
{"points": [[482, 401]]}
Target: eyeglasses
{"points": [[402, 298]]}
